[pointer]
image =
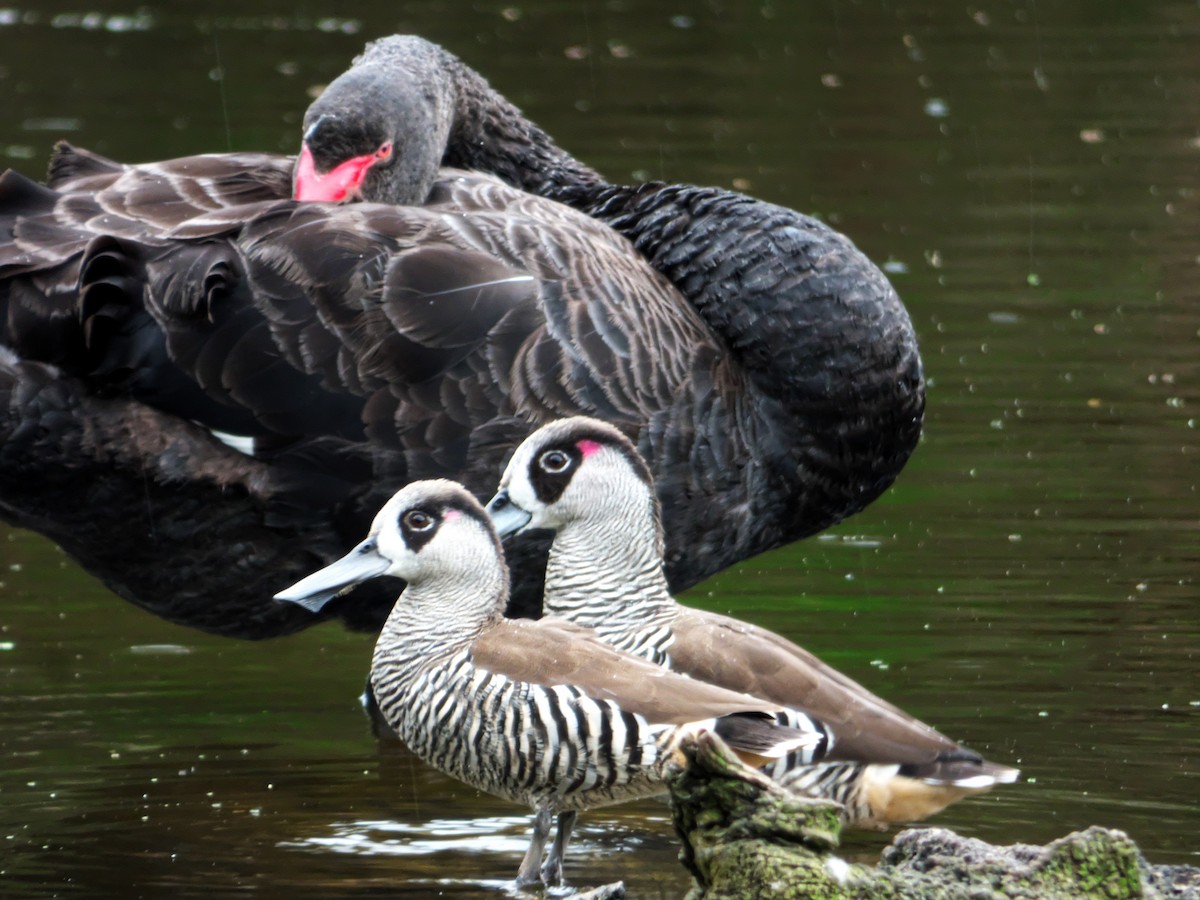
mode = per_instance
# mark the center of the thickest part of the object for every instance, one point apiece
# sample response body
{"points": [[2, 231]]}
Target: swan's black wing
{"points": [[164, 514], [357, 347]]}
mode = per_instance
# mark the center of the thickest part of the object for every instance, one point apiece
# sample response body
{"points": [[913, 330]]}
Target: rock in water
{"points": [[745, 836]]}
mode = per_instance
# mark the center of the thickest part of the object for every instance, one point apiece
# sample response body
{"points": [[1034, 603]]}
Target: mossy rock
{"points": [[745, 836]]}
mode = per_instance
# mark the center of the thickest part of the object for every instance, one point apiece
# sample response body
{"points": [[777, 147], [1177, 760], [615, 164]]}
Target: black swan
{"points": [[146, 306]]}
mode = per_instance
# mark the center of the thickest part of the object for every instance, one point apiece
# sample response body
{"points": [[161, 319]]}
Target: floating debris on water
{"points": [[160, 649], [53, 123]]}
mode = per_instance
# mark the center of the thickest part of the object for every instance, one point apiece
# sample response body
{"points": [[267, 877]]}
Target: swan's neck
{"points": [[836, 390], [490, 134], [812, 322]]}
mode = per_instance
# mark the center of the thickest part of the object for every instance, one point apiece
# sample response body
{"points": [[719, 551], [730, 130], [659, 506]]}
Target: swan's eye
{"points": [[418, 520], [384, 152], [554, 462]]}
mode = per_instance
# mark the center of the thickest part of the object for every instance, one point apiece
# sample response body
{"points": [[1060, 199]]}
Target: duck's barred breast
{"points": [[543, 746]]}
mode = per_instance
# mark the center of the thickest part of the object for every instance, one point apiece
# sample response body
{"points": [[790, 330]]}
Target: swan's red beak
{"points": [[343, 182]]}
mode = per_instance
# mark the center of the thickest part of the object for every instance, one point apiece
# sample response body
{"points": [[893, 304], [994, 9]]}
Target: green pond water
{"points": [[1028, 175]]}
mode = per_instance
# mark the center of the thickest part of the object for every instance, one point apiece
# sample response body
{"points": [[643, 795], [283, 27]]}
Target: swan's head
{"points": [[573, 470], [428, 531], [379, 131]]}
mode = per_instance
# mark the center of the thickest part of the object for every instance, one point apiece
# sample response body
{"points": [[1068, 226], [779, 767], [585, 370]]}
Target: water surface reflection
{"points": [[1027, 173]]}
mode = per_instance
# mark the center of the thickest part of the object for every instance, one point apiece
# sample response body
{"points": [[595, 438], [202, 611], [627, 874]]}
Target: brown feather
{"points": [[552, 652], [745, 657]]}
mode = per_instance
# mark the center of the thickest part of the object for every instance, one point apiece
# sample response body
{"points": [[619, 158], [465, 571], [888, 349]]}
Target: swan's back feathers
{"points": [[433, 339], [73, 168], [161, 195], [361, 299]]}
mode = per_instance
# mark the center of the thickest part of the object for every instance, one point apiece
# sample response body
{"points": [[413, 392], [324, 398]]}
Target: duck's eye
{"points": [[417, 520], [384, 151], [554, 461]]}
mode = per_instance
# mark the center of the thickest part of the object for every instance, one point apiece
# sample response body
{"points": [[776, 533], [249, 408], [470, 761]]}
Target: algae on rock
{"points": [[745, 836]]}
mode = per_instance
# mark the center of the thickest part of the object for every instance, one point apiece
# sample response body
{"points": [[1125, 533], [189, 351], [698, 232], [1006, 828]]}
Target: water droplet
{"points": [[937, 108]]}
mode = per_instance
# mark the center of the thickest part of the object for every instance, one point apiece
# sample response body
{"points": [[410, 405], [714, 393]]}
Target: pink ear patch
{"points": [[587, 448], [451, 514]]}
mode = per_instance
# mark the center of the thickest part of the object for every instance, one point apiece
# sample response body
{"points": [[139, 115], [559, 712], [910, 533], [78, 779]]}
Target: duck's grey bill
{"points": [[360, 564], [506, 515]]}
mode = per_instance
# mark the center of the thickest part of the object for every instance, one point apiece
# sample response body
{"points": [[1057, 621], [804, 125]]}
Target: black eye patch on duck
{"points": [[419, 525], [551, 470]]}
